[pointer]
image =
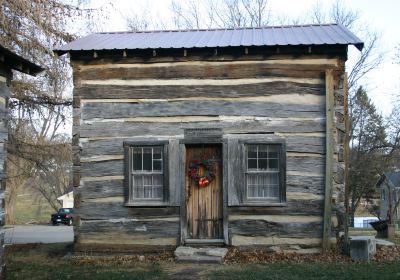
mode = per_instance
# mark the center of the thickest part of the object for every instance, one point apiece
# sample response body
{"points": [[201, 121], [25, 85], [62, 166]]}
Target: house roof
{"points": [[394, 178], [17, 62], [294, 35], [61, 197]]}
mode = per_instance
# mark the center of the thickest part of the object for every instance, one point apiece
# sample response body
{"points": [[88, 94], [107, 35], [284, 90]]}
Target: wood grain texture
{"points": [[305, 164], [329, 159], [253, 227], [258, 54], [134, 229], [201, 82], [238, 240], [148, 92], [234, 183], [293, 207], [200, 108], [116, 210], [128, 129], [101, 189], [113, 238], [283, 62], [102, 168], [305, 184], [174, 173], [204, 204], [221, 70]]}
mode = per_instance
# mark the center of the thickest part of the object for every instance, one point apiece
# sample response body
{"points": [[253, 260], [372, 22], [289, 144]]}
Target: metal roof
{"points": [[17, 62], [394, 177], [296, 35]]}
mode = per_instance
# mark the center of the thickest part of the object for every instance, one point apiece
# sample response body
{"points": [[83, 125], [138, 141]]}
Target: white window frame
{"points": [[130, 200], [264, 201]]}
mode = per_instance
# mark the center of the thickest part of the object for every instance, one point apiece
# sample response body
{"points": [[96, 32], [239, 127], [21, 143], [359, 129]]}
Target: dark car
{"points": [[63, 216]]}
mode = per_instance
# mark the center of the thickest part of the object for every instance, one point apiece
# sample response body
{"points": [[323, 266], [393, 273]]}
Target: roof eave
{"points": [[359, 46], [17, 62]]}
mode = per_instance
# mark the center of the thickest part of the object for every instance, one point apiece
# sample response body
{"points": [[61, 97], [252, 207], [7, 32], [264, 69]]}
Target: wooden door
{"points": [[204, 204]]}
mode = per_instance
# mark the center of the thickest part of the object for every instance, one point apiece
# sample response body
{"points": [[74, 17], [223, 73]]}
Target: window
{"points": [[145, 174], [264, 173], [383, 194]]}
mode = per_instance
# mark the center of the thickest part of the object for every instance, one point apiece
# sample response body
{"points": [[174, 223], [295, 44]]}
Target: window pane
{"points": [[157, 166], [157, 153], [273, 151], [273, 191], [252, 151], [157, 186], [137, 186], [263, 185], [147, 185], [147, 154], [252, 164], [263, 164], [137, 158], [262, 151], [273, 164]]}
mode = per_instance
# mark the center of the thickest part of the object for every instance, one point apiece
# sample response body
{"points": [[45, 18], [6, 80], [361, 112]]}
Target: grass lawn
{"points": [[48, 262], [362, 231], [32, 208], [311, 271]]}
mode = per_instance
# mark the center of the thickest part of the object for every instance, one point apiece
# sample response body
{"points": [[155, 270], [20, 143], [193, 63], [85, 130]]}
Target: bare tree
{"points": [[370, 57], [191, 14], [39, 106]]}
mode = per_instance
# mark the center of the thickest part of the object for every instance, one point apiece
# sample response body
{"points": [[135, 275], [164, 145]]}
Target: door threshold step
{"points": [[200, 255], [205, 242]]}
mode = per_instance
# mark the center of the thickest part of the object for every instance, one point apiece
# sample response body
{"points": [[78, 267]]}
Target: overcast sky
{"points": [[383, 84]]}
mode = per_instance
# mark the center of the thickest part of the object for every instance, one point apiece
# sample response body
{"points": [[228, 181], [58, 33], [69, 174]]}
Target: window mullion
{"points": [[152, 155], [142, 157]]}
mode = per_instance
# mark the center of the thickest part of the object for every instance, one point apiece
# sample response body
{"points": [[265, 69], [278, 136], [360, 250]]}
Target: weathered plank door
{"points": [[204, 204]]}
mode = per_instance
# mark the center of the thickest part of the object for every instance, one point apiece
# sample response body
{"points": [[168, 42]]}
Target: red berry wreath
{"points": [[194, 172]]}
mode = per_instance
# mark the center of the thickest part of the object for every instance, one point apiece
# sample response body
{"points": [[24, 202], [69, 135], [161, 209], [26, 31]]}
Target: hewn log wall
{"points": [[129, 101], [4, 94]]}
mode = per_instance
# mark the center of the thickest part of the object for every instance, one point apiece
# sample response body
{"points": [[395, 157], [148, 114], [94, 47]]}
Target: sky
{"points": [[382, 84]]}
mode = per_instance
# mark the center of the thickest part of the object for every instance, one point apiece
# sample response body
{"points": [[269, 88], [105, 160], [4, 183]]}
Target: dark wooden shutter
{"points": [[234, 173], [174, 173]]}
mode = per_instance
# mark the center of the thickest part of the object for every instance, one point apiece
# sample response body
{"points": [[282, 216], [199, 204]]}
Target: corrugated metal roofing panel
{"points": [[324, 34]]}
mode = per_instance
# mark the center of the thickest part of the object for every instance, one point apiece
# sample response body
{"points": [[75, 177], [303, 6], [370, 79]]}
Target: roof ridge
{"points": [[217, 29]]}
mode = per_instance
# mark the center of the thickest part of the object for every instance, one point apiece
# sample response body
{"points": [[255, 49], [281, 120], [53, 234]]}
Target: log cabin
{"points": [[231, 137]]}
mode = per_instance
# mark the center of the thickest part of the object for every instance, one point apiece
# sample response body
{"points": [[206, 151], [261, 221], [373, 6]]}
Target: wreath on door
{"points": [[202, 172]]}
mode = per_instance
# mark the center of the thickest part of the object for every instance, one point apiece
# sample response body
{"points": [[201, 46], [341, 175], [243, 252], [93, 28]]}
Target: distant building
{"points": [[363, 222], [67, 199], [389, 185]]}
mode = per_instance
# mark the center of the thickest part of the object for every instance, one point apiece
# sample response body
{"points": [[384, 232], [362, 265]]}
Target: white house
{"points": [[67, 199]]}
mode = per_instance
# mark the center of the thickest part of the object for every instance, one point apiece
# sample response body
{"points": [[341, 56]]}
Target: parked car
{"points": [[63, 216]]}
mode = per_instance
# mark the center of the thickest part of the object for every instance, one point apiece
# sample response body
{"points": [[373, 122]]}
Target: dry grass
{"points": [[55, 262]]}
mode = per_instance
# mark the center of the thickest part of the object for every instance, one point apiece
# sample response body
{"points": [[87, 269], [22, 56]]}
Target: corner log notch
{"points": [[329, 160]]}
